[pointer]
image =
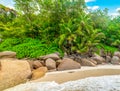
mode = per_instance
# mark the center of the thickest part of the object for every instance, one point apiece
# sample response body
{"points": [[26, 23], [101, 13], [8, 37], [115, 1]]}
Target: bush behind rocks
{"points": [[28, 47]]}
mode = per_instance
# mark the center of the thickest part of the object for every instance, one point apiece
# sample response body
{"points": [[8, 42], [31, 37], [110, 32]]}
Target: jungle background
{"points": [[40, 27]]}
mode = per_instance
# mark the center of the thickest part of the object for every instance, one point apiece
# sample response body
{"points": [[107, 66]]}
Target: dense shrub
{"points": [[7, 44], [28, 47], [107, 49]]}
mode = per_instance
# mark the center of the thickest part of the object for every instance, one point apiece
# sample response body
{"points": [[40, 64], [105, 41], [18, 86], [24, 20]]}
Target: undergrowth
{"points": [[28, 47]]}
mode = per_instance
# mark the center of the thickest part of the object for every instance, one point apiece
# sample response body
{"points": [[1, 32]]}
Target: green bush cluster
{"points": [[107, 49], [28, 47]]}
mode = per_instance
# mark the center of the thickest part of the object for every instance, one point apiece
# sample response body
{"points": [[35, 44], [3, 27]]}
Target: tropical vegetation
{"points": [[39, 27]]}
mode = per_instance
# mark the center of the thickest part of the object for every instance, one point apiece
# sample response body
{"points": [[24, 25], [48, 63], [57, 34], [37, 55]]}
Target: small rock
{"points": [[38, 73], [109, 54], [93, 61], [68, 64], [36, 64], [7, 54], [108, 59], [78, 59], [115, 60], [54, 56], [50, 64], [117, 54], [85, 62]]}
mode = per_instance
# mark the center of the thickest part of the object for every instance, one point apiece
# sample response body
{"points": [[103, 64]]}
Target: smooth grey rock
{"points": [[117, 54], [50, 64], [115, 60]]}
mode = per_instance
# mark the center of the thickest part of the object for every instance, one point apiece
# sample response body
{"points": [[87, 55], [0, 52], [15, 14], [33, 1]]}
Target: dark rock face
{"points": [[34, 64], [37, 64]]}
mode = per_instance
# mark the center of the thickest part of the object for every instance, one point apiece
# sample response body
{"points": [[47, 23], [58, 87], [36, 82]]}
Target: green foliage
{"points": [[110, 27], [31, 48], [11, 30], [112, 33], [100, 19], [6, 14], [54, 24], [8, 44], [78, 35], [107, 49]]}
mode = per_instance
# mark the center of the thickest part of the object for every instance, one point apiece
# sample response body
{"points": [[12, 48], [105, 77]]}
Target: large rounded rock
{"points": [[68, 64], [86, 62], [7, 54], [54, 56], [13, 73], [38, 73], [117, 54], [115, 60], [98, 59], [50, 64]]}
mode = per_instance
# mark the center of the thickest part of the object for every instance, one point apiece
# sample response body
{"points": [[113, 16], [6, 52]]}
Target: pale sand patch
{"points": [[103, 83], [70, 75], [13, 72]]}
